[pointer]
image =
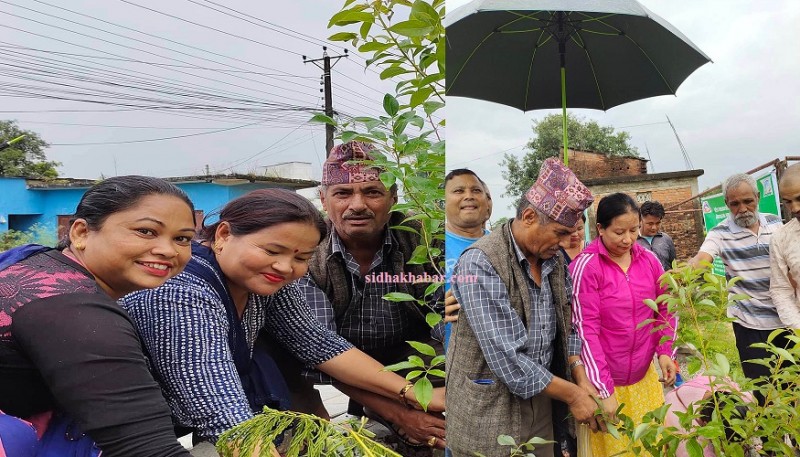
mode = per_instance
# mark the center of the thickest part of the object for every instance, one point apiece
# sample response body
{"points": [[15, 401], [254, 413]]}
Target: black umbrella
{"points": [[538, 54]]}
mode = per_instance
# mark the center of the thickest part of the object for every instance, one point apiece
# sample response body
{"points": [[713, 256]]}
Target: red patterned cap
{"points": [[559, 194], [342, 167]]}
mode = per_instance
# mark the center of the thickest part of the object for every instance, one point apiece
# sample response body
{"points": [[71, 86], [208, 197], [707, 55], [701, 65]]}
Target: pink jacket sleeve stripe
{"points": [[591, 352]]}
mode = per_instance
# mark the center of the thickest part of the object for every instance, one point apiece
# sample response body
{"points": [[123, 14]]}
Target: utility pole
{"points": [[326, 81]]}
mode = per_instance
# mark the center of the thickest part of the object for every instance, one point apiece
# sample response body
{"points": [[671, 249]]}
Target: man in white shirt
{"points": [[742, 242], [784, 255]]}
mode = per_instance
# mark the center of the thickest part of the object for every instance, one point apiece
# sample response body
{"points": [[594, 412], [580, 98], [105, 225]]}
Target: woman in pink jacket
{"points": [[612, 277]]}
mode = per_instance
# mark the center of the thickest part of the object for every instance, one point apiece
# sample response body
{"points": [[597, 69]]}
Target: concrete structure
{"points": [[49, 204], [606, 175]]}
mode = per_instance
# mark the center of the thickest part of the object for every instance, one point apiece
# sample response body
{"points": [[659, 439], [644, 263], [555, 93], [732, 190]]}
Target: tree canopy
{"points": [[583, 136], [25, 158]]}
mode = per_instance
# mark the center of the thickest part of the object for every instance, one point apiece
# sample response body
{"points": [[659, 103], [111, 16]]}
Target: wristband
{"points": [[575, 364]]}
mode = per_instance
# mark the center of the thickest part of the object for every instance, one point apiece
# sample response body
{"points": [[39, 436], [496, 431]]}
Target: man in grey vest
{"points": [[514, 351], [355, 266]]}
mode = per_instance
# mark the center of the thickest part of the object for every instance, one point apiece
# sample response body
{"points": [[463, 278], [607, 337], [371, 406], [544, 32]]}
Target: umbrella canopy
{"points": [[532, 54]]}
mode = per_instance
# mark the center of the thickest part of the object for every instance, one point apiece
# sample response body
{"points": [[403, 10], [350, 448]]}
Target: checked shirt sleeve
{"points": [[498, 328], [574, 342]]}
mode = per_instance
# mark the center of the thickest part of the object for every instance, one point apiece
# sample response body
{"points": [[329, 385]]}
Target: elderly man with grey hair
{"points": [[742, 242]]}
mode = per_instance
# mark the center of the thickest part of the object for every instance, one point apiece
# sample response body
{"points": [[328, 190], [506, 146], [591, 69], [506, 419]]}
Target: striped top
{"points": [[746, 254], [184, 326]]}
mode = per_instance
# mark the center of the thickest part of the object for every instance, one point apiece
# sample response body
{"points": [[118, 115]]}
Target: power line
{"points": [[212, 28], [145, 51], [154, 139]]}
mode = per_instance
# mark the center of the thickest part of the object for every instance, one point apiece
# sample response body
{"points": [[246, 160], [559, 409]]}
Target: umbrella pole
{"points": [[564, 112]]}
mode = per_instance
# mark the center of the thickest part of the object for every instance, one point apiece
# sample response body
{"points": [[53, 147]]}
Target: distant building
{"points": [[606, 175], [50, 204]]}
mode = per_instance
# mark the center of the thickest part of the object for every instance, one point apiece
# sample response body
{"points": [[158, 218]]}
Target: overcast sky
{"points": [[732, 115], [258, 76]]}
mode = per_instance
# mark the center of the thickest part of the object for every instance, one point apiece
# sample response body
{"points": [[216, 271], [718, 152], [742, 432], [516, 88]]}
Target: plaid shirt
{"points": [[519, 357], [370, 322]]}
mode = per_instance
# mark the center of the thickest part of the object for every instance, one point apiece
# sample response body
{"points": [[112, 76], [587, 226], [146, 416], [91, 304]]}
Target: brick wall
{"points": [[684, 224], [591, 165]]}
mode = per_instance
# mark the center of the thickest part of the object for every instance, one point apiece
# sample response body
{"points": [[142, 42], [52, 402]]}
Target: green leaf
{"points": [[398, 297], [420, 255], [438, 360], [374, 46], [505, 440], [364, 30], [413, 374], [400, 366], [433, 318], [423, 348], [612, 430], [651, 304], [390, 105], [321, 118], [423, 390], [420, 96], [431, 107], [437, 373], [723, 364], [412, 28], [348, 17], [784, 354], [639, 431], [392, 72], [693, 448], [432, 288], [342, 36], [416, 361]]}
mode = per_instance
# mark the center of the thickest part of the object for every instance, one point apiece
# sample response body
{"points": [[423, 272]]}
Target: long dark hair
{"points": [[117, 194], [615, 205], [264, 208]]}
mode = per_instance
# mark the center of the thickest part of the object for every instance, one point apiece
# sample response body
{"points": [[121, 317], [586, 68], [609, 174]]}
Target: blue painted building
{"points": [[50, 204]]}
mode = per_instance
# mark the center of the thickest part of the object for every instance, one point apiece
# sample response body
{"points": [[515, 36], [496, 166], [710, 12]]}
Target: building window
{"points": [[642, 197]]}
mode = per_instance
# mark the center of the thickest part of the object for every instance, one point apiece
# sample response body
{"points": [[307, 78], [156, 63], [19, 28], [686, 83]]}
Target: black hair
{"points": [[652, 208], [264, 208], [615, 205], [117, 194], [462, 172]]}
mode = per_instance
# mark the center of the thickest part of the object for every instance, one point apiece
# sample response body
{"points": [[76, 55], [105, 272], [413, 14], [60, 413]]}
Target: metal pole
{"points": [[326, 81]]}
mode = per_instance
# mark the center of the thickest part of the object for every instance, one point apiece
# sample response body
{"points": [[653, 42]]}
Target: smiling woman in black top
{"points": [[66, 346]]}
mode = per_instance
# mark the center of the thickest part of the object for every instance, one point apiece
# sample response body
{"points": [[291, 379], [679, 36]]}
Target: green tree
{"points": [[25, 158], [583, 136]]}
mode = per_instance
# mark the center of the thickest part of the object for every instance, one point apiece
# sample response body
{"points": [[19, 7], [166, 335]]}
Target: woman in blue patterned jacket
{"points": [[202, 327]]}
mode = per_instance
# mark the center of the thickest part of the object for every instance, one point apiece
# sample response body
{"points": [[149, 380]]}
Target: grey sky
{"points": [[262, 73], [732, 115]]}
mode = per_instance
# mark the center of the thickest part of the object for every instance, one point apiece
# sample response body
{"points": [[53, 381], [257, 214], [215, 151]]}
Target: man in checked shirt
{"points": [[342, 290], [514, 350]]}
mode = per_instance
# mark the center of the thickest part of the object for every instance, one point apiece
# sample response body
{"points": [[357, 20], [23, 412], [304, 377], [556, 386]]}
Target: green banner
{"points": [[715, 210]]}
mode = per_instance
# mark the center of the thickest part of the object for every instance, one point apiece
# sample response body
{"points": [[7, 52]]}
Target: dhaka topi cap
{"points": [[342, 165], [559, 194]]}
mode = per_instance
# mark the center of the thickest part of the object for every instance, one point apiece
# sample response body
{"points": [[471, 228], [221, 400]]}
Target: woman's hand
{"points": [[588, 387], [610, 406], [451, 307], [668, 370]]}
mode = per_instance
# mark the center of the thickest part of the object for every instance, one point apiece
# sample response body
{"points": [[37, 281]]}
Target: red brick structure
{"points": [[606, 175], [590, 165]]}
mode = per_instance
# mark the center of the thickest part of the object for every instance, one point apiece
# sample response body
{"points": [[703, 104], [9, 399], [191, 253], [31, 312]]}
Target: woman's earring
{"points": [[217, 247], [78, 246]]}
